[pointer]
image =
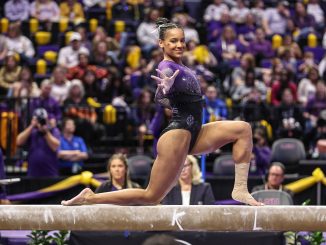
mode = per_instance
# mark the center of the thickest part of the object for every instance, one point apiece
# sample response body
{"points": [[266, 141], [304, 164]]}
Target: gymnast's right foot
{"points": [[245, 197], [80, 199]]}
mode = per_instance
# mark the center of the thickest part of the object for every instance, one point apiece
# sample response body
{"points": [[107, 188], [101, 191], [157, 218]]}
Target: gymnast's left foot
{"points": [[80, 199]]}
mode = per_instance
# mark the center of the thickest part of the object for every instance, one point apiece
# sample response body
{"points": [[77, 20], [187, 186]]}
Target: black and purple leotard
{"points": [[184, 98]]}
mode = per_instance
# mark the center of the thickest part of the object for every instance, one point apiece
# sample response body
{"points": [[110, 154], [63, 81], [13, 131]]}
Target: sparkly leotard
{"points": [[184, 98]]}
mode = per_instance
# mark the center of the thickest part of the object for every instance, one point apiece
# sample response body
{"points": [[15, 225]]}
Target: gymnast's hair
{"points": [[163, 24]]}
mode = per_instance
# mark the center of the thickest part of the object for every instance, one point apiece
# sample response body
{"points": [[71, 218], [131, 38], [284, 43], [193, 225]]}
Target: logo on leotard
{"points": [[190, 120]]}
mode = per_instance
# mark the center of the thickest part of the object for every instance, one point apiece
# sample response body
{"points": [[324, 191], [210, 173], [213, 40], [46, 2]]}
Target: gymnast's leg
{"points": [[214, 135], [172, 149]]}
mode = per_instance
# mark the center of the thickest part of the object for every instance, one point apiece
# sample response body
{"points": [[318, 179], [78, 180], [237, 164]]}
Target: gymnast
{"points": [[178, 89]]}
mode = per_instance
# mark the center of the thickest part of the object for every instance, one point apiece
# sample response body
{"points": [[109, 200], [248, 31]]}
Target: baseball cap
{"points": [[75, 36]]}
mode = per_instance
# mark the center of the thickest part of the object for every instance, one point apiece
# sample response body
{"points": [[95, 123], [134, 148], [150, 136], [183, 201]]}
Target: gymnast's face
{"points": [[117, 170], [173, 44]]}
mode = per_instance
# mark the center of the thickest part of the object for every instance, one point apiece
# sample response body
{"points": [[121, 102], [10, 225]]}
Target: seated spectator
{"points": [[288, 118], [258, 10], [60, 84], [72, 10], [142, 114], [9, 73], [190, 32], [76, 107], [275, 19], [42, 141], [239, 12], [261, 48], [228, 47], [100, 55], [315, 9], [190, 190], [45, 10], [289, 44], [215, 108], [25, 86], [307, 86], [279, 86], [147, 33], [315, 105], [246, 31], [304, 21], [275, 178], [3, 47], [122, 10], [72, 151], [118, 174], [17, 10], [3, 196], [46, 101], [313, 136], [68, 55], [214, 11], [92, 85], [78, 71], [308, 63], [261, 152], [215, 28], [18, 43], [84, 42]]}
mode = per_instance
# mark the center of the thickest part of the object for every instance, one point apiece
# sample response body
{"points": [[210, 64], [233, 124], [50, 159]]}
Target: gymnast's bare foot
{"points": [[80, 199]]}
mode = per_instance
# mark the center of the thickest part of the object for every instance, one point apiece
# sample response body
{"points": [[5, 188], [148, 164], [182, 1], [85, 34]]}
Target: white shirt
{"points": [[60, 92], [17, 10], [185, 198], [21, 45], [316, 11], [214, 12], [147, 33], [305, 90], [68, 57], [276, 22], [46, 11], [239, 15]]}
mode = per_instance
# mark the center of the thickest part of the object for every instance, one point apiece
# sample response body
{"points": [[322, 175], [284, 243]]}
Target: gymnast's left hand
{"points": [[164, 82]]}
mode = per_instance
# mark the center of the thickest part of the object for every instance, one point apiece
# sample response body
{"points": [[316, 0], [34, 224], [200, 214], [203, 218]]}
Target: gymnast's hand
{"points": [[164, 82]]}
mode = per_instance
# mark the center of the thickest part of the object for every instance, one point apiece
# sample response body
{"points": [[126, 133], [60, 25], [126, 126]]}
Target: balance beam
{"points": [[162, 218]]}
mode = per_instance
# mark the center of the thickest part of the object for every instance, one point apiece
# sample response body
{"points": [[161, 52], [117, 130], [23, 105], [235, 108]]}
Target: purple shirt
{"points": [[42, 160], [49, 104], [263, 48], [186, 82]]}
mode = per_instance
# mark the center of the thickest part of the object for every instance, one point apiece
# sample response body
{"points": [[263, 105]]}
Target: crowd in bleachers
{"points": [[261, 61]]}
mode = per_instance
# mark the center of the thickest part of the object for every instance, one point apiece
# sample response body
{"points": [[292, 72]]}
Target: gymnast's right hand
{"points": [[164, 82]]}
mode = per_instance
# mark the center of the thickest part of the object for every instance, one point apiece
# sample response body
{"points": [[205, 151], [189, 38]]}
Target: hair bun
{"points": [[161, 21]]}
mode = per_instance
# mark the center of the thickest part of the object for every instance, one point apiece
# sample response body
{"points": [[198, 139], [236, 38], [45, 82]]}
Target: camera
{"points": [[41, 116]]}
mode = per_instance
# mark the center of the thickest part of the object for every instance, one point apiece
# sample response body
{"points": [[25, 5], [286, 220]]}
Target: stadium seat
{"points": [[273, 197], [224, 165], [288, 151]]}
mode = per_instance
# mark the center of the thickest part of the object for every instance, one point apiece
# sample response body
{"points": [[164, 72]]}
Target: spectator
{"points": [[313, 136], [239, 12], [308, 63], [261, 151], [288, 120], [3, 196], [84, 42], [72, 151], [275, 19], [42, 141], [275, 178], [101, 55], [122, 10], [3, 47], [314, 9], [258, 11], [260, 47], [215, 107], [304, 21], [147, 33], [46, 101], [142, 114], [307, 86], [190, 32], [60, 84], [92, 85], [246, 31], [118, 174], [17, 10], [78, 71], [72, 10], [316, 104], [25, 86], [279, 86], [190, 190], [18, 43], [68, 56], [45, 10], [9, 73], [214, 11]]}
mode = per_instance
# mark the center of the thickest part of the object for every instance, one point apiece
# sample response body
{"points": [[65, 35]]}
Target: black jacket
{"points": [[201, 194]]}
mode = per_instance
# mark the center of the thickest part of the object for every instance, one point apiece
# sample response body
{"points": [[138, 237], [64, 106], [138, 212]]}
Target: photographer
{"points": [[42, 142]]}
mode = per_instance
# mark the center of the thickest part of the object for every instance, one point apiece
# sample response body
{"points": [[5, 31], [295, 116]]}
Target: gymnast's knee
{"points": [[150, 198]]}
